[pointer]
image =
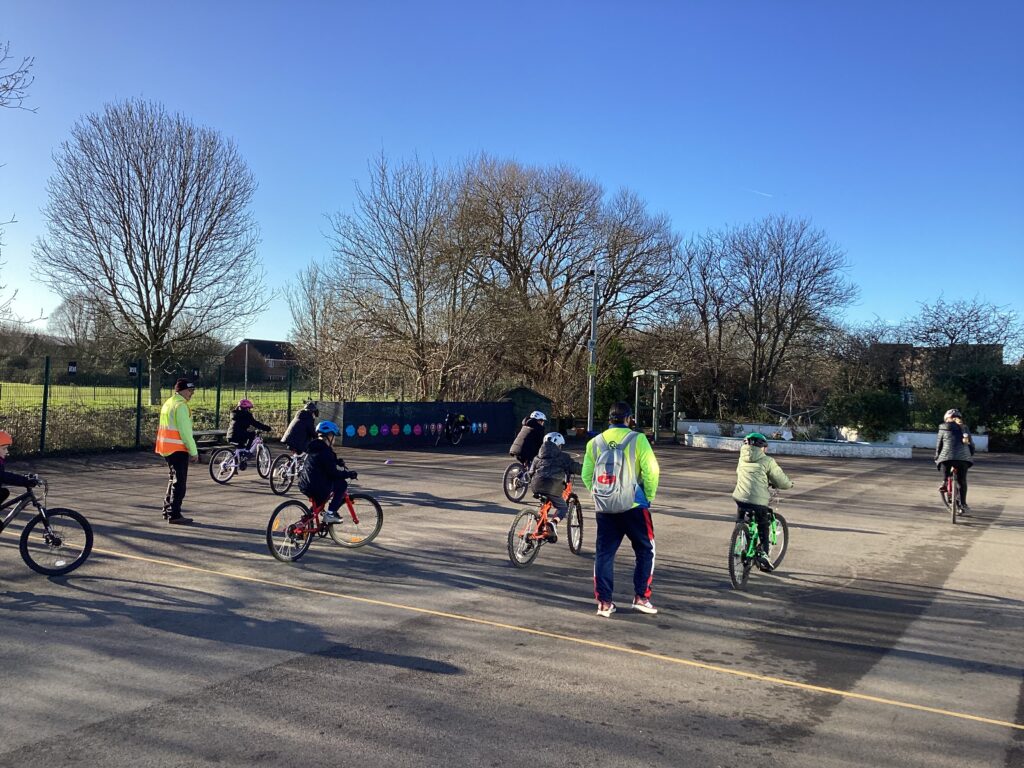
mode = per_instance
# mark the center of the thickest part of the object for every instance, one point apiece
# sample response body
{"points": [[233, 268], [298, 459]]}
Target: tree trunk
{"points": [[154, 383]]}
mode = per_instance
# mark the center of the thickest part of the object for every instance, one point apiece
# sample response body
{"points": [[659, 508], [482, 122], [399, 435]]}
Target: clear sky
{"points": [[897, 127]]}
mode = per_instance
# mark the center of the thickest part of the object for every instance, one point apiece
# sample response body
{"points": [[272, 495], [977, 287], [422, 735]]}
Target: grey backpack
{"points": [[615, 474]]}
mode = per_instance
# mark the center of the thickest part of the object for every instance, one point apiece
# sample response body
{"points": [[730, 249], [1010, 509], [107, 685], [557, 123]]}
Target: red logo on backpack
{"points": [[606, 479]]}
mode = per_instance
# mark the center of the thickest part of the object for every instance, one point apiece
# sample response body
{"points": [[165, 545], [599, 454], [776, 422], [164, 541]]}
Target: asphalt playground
{"points": [[889, 636]]}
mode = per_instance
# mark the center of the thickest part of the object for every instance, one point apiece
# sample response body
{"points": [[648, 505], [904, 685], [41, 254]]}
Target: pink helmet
{"points": [[245, 402]]}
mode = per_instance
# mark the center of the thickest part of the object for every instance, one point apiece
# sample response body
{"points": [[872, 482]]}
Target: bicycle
{"points": [[293, 525], [284, 471], [529, 530], [225, 463], [54, 542], [455, 426], [516, 480], [745, 538], [950, 494]]}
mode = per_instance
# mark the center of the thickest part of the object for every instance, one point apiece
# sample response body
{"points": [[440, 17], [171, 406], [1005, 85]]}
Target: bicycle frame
{"points": [[315, 517], [754, 535], [18, 506], [539, 533]]}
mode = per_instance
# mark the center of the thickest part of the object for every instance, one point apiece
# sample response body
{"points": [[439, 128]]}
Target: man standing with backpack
{"points": [[621, 472]]}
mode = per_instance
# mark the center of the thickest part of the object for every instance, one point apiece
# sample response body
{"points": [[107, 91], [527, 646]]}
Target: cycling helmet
{"points": [[328, 428], [756, 438], [5, 438], [619, 412], [245, 402], [539, 416], [953, 413], [554, 437]]}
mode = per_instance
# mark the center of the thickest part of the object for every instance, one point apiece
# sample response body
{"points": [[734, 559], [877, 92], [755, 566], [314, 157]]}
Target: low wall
{"points": [[916, 439], [713, 428], [805, 447]]}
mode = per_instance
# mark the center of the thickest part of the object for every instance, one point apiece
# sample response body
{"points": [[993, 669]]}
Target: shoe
{"points": [[331, 517], [552, 532], [964, 509], [241, 466], [605, 609], [179, 520], [763, 563], [643, 605]]}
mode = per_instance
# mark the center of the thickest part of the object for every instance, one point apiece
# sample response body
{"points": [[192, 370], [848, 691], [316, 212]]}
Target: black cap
{"points": [[619, 412], [181, 384]]}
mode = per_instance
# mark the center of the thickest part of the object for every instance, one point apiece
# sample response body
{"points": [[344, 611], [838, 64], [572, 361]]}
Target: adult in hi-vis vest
{"points": [[175, 443], [621, 472]]}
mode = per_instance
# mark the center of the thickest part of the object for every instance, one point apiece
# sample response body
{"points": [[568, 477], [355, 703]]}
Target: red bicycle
{"points": [[531, 530], [294, 523], [950, 494]]}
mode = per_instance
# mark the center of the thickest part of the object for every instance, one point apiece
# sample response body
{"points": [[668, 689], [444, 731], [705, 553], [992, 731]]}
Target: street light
{"points": [[592, 346]]}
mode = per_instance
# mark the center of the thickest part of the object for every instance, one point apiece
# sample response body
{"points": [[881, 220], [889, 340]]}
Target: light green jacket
{"points": [[647, 468], [756, 473]]}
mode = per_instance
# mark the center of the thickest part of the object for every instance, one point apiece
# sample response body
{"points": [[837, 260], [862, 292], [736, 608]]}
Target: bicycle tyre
{"points": [[281, 477], [739, 564], [281, 539], [347, 533], [574, 525], [263, 461], [223, 465], [779, 547], [512, 482], [521, 549], [954, 499], [75, 542], [455, 436]]}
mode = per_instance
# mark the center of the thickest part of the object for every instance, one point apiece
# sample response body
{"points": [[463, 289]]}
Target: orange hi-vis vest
{"points": [[175, 431]]}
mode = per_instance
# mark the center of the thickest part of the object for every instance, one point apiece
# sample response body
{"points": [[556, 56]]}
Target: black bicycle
{"points": [[455, 426], [55, 541], [516, 480]]}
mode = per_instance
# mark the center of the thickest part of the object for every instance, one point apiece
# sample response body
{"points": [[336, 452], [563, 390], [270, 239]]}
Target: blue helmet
{"points": [[328, 428]]}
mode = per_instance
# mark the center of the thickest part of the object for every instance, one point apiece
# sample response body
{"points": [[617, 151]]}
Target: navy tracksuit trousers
{"points": [[635, 525]]}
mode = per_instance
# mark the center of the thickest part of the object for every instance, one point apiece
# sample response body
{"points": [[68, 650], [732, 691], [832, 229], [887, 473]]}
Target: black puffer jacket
{"points": [[527, 442], [551, 468], [300, 431], [242, 423], [320, 469], [950, 445]]}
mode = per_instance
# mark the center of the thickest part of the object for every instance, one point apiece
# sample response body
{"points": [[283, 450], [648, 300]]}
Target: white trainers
{"points": [[605, 609], [331, 517], [643, 605]]}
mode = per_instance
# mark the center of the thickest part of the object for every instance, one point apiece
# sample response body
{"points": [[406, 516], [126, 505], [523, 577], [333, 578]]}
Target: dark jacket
{"points": [[12, 478], [950, 445], [242, 422], [553, 464], [320, 470], [300, 431], [527, 442]]}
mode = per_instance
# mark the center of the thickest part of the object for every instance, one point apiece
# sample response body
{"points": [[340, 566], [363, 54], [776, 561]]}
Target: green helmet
{"points": [[756, 438]]}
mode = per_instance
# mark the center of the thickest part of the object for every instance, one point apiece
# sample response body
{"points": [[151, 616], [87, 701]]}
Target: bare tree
{"points": [[149, 215], [950, 324]]}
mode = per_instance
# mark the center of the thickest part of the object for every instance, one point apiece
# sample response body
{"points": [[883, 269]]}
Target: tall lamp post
{"points": [[592, 346]]}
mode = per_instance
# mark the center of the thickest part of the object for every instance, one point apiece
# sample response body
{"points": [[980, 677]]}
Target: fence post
{"points": [[216, 409], [291, 377], [138, 404], [46, 399]]}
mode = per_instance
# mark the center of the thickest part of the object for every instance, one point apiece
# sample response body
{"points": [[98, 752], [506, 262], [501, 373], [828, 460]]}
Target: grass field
{"points": [[18, 395]]}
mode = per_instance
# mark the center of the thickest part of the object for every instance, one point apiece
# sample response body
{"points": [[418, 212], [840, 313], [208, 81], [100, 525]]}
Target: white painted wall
{"points": [[805, 447]]}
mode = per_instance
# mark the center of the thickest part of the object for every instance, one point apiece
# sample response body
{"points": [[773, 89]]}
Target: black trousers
{"points": [[961, 472], [177, 468], [763, 516]]}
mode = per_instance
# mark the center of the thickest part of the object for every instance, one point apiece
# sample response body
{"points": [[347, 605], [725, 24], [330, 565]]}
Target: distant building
{"points": [[268, 360], [525, 401]]}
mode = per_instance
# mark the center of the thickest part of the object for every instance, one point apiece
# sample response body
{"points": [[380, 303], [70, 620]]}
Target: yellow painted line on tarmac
{"points": [[580, 641]]}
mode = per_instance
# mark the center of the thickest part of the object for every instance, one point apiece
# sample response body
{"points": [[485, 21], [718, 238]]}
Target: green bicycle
{"points": [[744, 541]]}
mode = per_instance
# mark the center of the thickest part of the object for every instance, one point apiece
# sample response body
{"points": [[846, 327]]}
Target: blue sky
{"points": [[897, 127]]}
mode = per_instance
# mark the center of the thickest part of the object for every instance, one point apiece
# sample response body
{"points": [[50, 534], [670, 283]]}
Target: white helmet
{"points": [[538, 416], [554, 437]]}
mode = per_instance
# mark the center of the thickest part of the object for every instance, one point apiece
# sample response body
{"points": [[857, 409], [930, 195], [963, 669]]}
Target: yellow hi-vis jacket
{"points": [[175, 431]]}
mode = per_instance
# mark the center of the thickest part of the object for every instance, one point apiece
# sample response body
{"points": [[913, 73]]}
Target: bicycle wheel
{"points": [[360, 524], [780, 543], [515, 481], [522, 547], [223, 465], [281, 475], [574, 523], [955, 509], [263, 461], [57, 546], [290, 531], [739, 563], [455, 436]]}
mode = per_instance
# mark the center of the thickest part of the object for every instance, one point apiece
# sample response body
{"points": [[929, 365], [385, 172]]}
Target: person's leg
{"points": [[177, 478], [946, 467], [609, 536], [561, 508], [337, 499], [763, 529], [961, 472], [4, 493], [640, 530]]}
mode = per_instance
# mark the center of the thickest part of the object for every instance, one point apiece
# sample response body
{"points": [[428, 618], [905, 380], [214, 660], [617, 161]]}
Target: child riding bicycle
{"points": [[549, 474], [756, 474], [240, 431], [323, 474], [302, 428], [11, 478], [528, 442]]}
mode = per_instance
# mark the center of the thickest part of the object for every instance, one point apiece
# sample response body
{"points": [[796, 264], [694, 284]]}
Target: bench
{"points": [[208, 439]]}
